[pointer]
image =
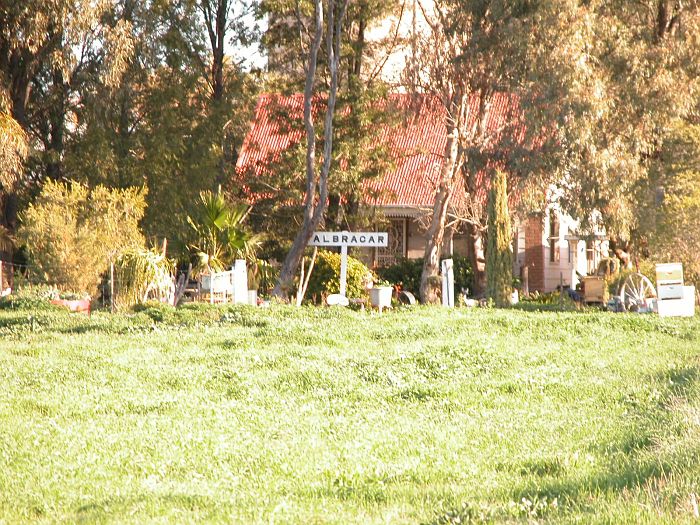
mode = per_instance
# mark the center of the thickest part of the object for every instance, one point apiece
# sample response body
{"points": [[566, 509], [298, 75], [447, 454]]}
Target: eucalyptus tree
{"points": [[363, 110], [472, 53], [179, 115], [328, 22], [45, 46], [614, 79]]}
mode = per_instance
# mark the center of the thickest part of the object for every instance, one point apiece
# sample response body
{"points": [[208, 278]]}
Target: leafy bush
{"points": [[71, 233], [407, 273], [221, 238], [141, 275], [262, 276], [33, 298], [550, 301], [37, 297], [464, 276], [325, 278]]}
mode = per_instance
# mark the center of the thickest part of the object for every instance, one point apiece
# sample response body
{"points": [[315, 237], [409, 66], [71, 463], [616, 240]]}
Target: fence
{"points": [[218, 287], [7, 275]]}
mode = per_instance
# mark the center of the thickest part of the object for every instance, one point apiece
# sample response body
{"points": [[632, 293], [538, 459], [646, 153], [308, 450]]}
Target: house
{"points": [[546, 244]]}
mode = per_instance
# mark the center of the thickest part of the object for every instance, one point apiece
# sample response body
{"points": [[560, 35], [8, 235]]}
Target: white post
{"points": [[111, 286], [240, 282], [448, 283], [343, 269]]}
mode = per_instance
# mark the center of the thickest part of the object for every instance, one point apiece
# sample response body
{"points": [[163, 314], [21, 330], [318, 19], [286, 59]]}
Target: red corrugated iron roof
{"points": [[416, 145]]}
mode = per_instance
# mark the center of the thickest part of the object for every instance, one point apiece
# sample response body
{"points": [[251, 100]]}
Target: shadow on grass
{"points": [[110, 509], [553, 491]]}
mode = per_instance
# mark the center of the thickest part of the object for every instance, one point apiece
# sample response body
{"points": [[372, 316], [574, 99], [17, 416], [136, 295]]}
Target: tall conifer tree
{"points": [[499, 259]]}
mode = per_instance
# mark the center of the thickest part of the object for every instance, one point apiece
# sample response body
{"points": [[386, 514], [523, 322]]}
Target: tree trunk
{"points": [[315, 203], [475, 254], [56, 127], [434, 236], [216, 27], [19, 95]]}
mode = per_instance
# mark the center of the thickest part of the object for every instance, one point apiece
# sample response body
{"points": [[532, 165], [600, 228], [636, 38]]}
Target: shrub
{"points": [[464, 276], [71, 233], [407, 273], [141, 275], [262, 276], [550, 301], [325, 278], [31, 298], [218, 226]]}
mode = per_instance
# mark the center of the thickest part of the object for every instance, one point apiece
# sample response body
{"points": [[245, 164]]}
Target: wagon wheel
{"points": [[635, 290]]}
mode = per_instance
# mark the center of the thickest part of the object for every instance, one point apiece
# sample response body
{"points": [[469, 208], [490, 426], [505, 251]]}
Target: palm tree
{"points": [[220, 236]]}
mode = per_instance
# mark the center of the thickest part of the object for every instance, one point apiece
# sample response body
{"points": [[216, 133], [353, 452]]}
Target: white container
{"points": [[684, 307], [514, 297], [380, 296], [669, 280]]}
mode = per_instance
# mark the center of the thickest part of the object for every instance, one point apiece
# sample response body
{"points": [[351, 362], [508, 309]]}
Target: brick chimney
{"points": [[534, 252]]}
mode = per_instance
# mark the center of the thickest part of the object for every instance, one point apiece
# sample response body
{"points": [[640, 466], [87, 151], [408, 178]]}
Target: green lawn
{"points": [[324, 416]]}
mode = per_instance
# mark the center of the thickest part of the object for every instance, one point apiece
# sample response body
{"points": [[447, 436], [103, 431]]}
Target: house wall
{"points": [[546, 275], [519, 250], [561, 271]]}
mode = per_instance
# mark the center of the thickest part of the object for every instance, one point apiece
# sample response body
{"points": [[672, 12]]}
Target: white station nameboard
{"points": [[345, 239], [371, 239]]}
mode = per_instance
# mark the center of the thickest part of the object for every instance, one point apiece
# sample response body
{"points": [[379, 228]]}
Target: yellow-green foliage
{"points": [[325, 278], [499, 263], [141, 275], [71, 232]]}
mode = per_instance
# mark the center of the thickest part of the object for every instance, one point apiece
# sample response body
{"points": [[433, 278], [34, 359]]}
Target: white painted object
{"points": [[380, 296], [345, 239], [219, 286], [669, 281], [253, 297], [448, 283], [514, 297], [240, 282], [336, 299], [683, 307]]}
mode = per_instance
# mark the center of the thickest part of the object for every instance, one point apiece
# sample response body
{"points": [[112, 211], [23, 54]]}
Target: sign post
{"points": [[345, 239], [448, 283]]}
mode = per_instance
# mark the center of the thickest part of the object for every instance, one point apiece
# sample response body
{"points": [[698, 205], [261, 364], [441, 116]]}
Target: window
{"points": [[553, 237], [592, 256]]}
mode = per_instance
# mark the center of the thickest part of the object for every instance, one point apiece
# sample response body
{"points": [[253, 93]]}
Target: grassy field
{"points": [[324, 416]]}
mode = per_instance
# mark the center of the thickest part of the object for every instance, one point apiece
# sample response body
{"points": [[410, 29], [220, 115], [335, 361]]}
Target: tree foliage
{"points": [[219, 235], [611, 78], [72, 233], [499, 257], [124, 93], [670, 224]]}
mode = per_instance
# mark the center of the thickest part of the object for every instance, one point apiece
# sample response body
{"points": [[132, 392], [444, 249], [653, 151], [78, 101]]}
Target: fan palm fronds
{"points": [[221, 236]]}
